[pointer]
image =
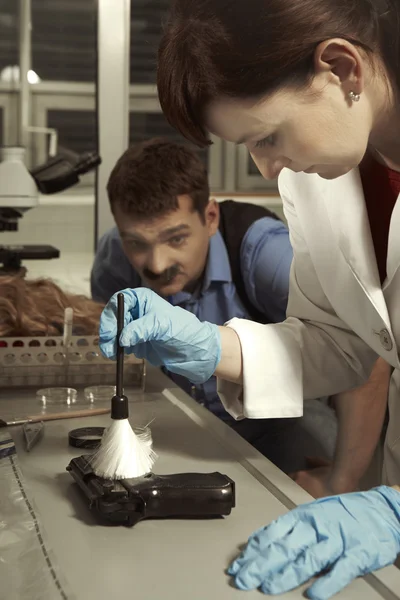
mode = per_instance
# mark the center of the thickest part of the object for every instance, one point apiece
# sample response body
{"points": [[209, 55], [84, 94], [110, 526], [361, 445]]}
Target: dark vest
{"points": [[235, 220]]}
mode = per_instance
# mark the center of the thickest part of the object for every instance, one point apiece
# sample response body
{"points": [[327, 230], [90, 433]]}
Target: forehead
{"points": [[233, 119], [184, 215]]}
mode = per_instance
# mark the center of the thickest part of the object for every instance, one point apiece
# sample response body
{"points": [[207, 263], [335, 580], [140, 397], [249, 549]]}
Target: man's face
{"points": [[169, 252]]}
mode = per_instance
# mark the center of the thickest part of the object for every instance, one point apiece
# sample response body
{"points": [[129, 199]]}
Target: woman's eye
{"points": [[268, 141]]}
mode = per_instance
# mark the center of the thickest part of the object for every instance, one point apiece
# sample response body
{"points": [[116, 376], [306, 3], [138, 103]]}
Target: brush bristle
{"points": [[123, 454]]}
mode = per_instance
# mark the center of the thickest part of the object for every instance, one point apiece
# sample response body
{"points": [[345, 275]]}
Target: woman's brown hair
{"points": [[251, 48], [36, 308]]}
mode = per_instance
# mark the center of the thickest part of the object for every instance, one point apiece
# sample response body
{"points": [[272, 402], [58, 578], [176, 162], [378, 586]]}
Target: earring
{"points": [[354, 97]]}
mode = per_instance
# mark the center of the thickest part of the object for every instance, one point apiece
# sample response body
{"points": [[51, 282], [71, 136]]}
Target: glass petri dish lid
{"points": [[57, 395], [99, 393]]}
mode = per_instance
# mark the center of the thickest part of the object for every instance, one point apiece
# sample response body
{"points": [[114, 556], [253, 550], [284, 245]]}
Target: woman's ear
{"points": [[342, 62]]}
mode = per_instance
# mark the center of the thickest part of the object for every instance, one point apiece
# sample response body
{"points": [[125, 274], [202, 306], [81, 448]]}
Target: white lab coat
{"points": [[339, 316]]}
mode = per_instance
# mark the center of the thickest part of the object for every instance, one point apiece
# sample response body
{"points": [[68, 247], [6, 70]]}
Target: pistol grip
{"points": [[186, 494]]}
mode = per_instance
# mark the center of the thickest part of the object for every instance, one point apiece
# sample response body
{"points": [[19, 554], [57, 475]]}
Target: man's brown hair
{"points": [[149, 177]]}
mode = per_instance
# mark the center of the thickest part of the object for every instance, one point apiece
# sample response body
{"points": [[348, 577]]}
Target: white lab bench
{"points": [[172, 558]]}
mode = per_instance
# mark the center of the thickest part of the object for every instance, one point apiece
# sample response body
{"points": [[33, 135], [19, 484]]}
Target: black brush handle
{"points": [[119, 402], [120, 350]]}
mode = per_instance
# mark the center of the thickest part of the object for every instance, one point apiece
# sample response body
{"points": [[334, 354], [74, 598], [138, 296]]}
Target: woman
{"points": [[311, 87], [36, 308]]}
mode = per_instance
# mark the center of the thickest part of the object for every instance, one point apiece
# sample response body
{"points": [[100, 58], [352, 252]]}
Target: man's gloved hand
{"points": [[162, 334], [351, 534]]}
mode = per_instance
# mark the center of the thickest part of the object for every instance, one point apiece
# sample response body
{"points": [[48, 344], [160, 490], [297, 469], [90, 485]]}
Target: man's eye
{"points": [[178, 240], [135, 246], [268, 141]]}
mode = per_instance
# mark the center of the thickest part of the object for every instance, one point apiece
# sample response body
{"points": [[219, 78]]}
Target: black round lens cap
{"points": [[86, 437]]}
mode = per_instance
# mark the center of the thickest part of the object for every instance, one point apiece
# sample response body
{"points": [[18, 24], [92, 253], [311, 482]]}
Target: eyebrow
{"points": [[132, 236], [246, 138], [242, 140], [166, 233]]}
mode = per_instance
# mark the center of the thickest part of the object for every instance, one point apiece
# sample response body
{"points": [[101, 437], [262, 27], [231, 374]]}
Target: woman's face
{"points": [[318, 129]]}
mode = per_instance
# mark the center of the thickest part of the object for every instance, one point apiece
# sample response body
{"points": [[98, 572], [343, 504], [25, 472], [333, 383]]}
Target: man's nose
{"points": [[157, 261], [269, 168]]}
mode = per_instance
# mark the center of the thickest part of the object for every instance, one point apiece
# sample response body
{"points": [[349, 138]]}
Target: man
{"points": [[218, 261]]}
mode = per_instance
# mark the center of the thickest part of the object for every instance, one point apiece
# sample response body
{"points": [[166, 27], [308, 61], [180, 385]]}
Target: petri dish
{"points": [[57, 395], [99, 393], [144, 433]]}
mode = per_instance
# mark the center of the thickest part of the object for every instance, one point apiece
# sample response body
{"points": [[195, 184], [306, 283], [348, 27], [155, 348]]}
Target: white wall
{"points": [[63, 221]]}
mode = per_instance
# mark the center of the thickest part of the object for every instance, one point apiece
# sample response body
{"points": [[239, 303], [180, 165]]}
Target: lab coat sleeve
{"points": [[311, 354]]}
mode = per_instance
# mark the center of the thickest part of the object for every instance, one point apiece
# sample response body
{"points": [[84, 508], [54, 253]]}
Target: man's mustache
{"points": [[164, 277]]}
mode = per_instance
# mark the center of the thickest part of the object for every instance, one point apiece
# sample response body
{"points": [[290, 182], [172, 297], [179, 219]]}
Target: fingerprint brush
{"points": [[122, 454]]}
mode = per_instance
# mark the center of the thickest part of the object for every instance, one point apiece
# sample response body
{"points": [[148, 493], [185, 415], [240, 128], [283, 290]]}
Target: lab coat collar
{"points": [[393, 258], [345, 203]]}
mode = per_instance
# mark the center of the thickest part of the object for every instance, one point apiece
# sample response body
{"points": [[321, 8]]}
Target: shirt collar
{"points": [[217, 269]]}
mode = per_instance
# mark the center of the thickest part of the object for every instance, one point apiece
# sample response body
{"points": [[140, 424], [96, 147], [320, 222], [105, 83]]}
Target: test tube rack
{"points": [[46, 362]]}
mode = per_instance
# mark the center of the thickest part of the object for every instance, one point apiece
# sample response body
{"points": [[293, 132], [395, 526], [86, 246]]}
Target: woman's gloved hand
{"points": [[351, 534], [162, 334]]}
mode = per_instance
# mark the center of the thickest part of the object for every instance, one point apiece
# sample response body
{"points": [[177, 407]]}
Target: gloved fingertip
{"points": [[125, 340], [105, 336], [241, 585], [233, 568], [310, 593], [267, 589], [108, 350]]}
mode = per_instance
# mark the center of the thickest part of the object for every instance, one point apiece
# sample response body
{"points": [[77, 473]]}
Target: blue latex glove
{"points": [[162, 334], [351, 534]]}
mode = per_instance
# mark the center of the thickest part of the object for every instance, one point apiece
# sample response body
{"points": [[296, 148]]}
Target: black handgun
{"points": [[128, 501]]}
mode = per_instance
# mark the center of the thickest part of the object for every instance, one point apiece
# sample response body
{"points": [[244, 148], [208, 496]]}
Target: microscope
{"points": [[19, 192]]}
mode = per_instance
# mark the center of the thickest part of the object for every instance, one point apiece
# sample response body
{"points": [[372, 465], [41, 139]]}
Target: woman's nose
{"points": [[269, 168]]}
